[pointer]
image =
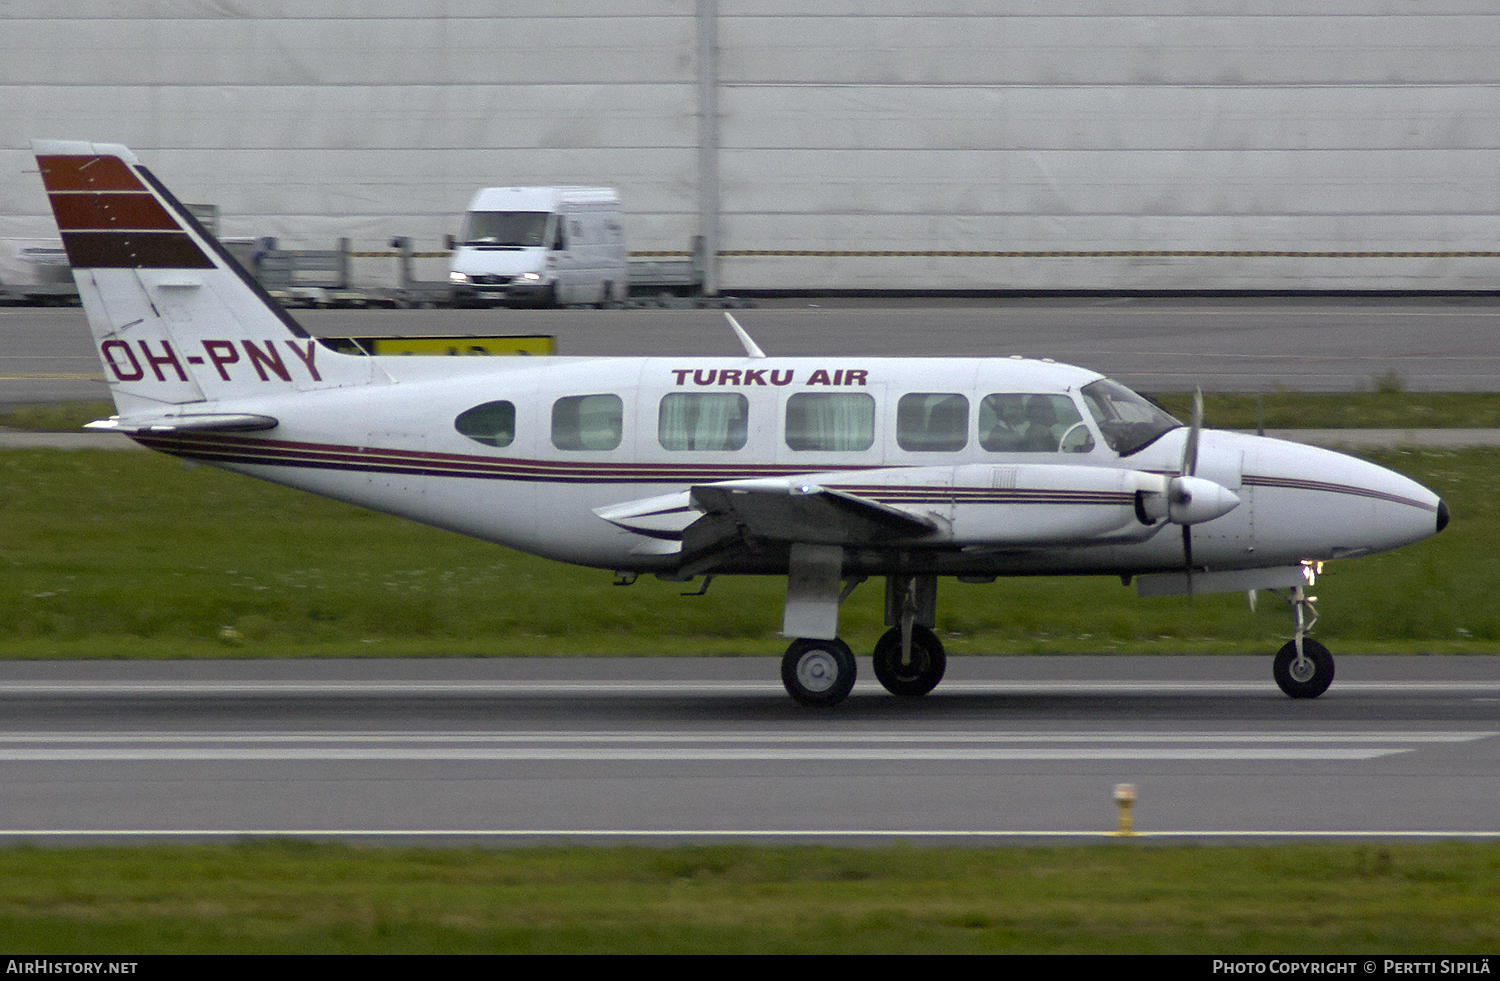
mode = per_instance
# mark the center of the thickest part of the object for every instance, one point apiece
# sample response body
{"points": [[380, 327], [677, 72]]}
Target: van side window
{"points": [[702, 421], [587, 422], [830, 421], [1022, 423], [932, 422], [493, 423]]}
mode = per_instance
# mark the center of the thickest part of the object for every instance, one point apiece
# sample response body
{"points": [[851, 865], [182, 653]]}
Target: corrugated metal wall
{"points": [[906, 126]]}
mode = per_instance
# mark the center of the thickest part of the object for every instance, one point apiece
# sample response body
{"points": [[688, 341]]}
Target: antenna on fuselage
{"points": [[751, 348]]}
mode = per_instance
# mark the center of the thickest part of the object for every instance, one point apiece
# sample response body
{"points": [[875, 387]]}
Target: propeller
{"points": [[1186, 499], [1180, 494]]}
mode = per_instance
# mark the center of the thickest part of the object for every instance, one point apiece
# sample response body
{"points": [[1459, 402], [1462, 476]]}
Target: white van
{"points": [[543, 245]]}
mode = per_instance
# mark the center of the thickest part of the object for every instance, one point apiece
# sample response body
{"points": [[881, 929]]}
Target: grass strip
{"points": [[1387, 407], [1129, 897], [135, 555]]}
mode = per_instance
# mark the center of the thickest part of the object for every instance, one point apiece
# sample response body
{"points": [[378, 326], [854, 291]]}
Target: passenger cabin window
{"points": [[929, 422], [587, 422], [1022, 423], [701, 421], [493, 423], [830, 421]]}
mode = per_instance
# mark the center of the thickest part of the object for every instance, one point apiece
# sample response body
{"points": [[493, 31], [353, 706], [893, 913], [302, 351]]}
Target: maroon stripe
{"points": [[78, 212], [1297, 483], [133, 250], [332, 456], [87, 173]]}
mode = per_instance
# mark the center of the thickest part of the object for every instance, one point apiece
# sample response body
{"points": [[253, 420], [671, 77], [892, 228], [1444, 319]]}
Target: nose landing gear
{"points": [[1303, 668]]}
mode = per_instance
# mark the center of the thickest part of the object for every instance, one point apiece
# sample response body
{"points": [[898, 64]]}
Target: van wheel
{"points": [[605, 295]]}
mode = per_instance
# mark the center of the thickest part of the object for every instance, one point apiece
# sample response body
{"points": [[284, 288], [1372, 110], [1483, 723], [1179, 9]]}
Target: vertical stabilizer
{"points": [[175, 318]]}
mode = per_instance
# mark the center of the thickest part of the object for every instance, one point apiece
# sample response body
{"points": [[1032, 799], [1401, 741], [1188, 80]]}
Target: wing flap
{"points": [[803, 513]]}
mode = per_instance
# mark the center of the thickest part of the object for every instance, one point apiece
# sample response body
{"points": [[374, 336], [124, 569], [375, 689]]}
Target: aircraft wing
{"points": [[710, 516], [969, 506], [800, 513]]}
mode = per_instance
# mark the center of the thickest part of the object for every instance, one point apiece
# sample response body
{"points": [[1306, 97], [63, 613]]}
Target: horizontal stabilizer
{"points": [[200, 422]]}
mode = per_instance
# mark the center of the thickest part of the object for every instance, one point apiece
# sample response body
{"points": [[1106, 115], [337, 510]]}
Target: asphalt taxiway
{"points": [[1244, 344]]}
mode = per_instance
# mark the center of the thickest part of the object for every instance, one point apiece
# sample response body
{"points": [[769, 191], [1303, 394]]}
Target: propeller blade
{"points": [[1190, 448], [1187, 555], [1190, 469]]}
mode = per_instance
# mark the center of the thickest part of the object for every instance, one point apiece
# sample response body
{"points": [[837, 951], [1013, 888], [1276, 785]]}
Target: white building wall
{"points": [[911, 126]]}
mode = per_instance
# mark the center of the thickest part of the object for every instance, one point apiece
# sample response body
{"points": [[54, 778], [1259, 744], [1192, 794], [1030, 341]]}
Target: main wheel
{"points": [[818, 672], [922, 673], [1308, 679]]}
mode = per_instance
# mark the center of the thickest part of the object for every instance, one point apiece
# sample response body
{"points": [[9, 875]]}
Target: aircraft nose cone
{"points": [[1442, 515]]}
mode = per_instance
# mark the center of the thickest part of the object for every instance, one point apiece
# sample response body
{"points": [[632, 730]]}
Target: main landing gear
{"points": [[822, 672], [818, 672], [819, 669]]}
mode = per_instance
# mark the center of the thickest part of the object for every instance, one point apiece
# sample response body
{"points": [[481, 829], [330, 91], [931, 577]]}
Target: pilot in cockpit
{"points": [[1041, 433]]}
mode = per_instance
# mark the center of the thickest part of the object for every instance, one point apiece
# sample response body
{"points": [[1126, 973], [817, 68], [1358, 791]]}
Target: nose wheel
{"points": [[1303, 668], [818, 672], [1304, 674]]}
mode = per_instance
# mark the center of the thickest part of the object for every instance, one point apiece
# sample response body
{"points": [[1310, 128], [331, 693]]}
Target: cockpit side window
{"points": [[1127, 421], [1017, 422], [928, 422], [493, 423]]}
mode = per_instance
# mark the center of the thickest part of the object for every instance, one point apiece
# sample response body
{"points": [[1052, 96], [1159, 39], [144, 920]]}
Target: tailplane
{"points": [[175, 318]]}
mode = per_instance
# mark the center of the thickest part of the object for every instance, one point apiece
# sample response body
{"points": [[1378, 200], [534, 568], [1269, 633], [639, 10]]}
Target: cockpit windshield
{"points": [[505, 229], [1127, 421]]}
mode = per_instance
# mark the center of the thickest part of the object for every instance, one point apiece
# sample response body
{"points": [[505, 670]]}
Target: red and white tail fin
{"points": [[175, 318]]}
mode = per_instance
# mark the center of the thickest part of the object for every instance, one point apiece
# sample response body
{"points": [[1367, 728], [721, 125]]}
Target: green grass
{"points": [[135, 555], [58, 417], [1386, 407], [297, 897]]}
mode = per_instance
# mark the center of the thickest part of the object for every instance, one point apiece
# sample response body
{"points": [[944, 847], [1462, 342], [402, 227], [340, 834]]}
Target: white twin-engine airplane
{"points": [[825, 470]]}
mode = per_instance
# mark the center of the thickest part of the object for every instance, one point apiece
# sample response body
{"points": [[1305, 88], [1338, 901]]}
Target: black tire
{"points": [[928, 662], [1302, 684], [818, 672]]}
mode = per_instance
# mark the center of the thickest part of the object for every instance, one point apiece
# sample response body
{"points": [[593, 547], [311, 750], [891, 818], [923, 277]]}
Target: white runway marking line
{"points": [[811, 746], [862, 736], [565, 834], [201, 689]]}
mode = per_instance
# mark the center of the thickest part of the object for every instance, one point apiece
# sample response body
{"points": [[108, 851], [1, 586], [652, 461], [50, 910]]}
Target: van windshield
{"points": [[505, 229]]}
